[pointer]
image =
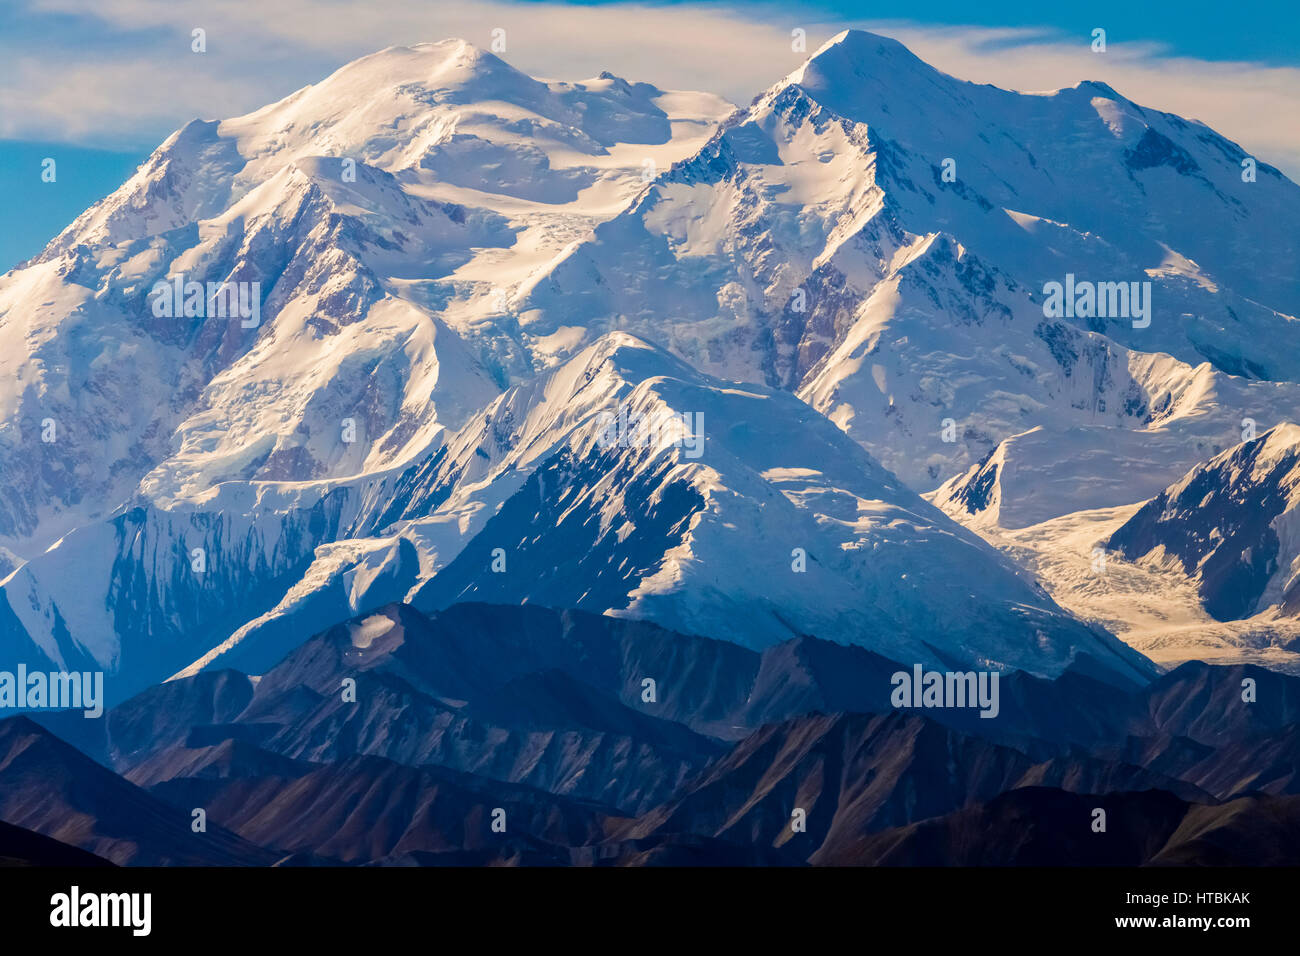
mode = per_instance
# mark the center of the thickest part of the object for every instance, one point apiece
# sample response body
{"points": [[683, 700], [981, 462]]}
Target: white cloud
{"points": [[141, 80]]}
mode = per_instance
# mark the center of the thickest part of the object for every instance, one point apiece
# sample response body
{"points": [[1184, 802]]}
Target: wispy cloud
{"points": [[124, 74]]}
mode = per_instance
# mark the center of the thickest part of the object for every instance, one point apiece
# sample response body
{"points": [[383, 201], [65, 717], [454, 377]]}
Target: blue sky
{"points": [[98, 86], [1267, 32]]}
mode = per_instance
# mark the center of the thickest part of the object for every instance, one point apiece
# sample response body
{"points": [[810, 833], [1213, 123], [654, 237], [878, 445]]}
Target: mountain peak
{"points": [[618, 342], [851, 55], [394, 85], [860, 43], [459, 54], [1097, 86], [436, 65], [855, 68]]}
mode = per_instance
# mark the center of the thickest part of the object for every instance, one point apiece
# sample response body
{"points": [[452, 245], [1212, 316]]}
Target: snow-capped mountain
{"points": [[151, 588], [757, 522], [1170, 418], [1204, 569], [361, 206], [719, 509], [815, 244], [1232, 525], [456, 276]]}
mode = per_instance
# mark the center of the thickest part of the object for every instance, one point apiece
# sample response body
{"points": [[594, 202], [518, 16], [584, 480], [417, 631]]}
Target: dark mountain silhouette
{"points": [[1043, 826], [1205, 702], [52, 788], [366, 808], [549, 715], [20, 847], [854, 774]]}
